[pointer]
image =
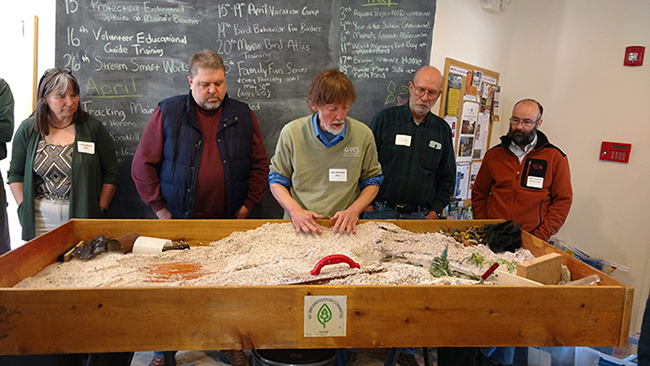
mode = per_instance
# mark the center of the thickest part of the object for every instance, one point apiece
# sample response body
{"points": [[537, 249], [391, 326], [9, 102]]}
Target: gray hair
{"points": [[54, 80]]}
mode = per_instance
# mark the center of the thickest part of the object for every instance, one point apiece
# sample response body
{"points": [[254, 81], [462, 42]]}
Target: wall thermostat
{"points": [[615, 151]]}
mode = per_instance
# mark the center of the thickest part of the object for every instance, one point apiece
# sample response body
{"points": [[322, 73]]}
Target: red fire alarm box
{"points": [[615, 151], [634, 56]]}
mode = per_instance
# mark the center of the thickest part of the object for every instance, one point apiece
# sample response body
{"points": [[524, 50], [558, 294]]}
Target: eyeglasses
{"points": [[514, 121], [419, 92]]}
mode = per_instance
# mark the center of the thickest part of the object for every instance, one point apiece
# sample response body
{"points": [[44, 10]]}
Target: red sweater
{"points": [[536, 194], [209, 202]]}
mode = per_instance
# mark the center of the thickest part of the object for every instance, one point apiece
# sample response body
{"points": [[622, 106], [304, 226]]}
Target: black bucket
{"points": [[293, 357]]}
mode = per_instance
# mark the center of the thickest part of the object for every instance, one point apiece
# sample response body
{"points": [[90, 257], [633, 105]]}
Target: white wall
{"points": [[17, 69]]}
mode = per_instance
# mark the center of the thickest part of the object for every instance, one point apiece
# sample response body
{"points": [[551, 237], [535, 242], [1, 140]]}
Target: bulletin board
{"points": [[470, 104]]}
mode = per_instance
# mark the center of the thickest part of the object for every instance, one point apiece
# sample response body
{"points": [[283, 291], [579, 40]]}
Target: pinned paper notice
{"points": [[489, 80], [457, 70]]}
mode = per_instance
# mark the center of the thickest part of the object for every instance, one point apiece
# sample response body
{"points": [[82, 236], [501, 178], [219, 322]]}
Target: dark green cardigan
{"points": [[89, 171]]}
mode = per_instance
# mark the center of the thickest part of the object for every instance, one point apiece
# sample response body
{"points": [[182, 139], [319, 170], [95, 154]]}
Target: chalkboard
{"points": [[129, 55]]}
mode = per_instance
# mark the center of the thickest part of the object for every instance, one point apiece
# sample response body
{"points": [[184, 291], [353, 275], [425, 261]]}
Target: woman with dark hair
{"points": [[63, 162]]}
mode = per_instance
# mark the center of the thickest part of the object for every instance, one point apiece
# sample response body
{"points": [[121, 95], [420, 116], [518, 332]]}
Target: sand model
{"points": [[274, 254]]}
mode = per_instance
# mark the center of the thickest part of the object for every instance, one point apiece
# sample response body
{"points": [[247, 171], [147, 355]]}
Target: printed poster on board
{"points": [[451, 121], [462, 181], [467, 131], [481, 136], [453, 94], [474, 168]]}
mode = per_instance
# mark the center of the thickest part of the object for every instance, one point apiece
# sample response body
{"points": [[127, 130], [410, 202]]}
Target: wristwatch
{"points": [[103, 210]]}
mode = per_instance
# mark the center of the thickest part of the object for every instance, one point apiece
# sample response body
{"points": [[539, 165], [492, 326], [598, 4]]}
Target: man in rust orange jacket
{"points": [[525, 178]]}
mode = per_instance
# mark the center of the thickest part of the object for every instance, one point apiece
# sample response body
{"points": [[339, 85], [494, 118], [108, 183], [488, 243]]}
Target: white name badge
{"points": [[403, 140], [535, 182], [338, 175], [435, 145], [86, 147]]}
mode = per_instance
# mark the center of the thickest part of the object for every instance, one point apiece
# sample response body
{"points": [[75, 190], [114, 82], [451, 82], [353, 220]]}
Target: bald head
{"points": [[429, 74], [532, 102], [425, 89]]}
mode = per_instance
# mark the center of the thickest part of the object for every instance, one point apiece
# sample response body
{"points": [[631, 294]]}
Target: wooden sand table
{"points": [[274, 254]]}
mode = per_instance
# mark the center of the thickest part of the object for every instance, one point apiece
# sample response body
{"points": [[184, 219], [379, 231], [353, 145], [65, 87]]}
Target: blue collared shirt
{"points": [[329, 140]]}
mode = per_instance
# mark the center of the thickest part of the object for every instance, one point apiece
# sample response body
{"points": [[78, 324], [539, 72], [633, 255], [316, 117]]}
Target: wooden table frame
{"points": [[79, 320]]}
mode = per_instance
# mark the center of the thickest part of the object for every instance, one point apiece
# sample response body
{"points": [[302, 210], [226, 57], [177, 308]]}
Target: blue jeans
{"points": [[382, 212]]}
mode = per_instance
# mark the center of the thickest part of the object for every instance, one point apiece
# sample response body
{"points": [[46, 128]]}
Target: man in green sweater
{"points": [[325, 164]]}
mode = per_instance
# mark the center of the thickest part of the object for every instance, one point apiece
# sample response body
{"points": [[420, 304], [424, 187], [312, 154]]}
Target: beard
{"points": [[334, 130], [420, 109], [521, 138], [211, 105]]}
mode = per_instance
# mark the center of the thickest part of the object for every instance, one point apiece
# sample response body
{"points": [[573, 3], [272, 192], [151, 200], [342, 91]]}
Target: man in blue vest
{"points": [[201, 155]]}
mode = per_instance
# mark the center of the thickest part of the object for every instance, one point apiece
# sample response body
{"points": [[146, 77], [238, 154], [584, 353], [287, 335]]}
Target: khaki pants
{"points": [[50, 214]]}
